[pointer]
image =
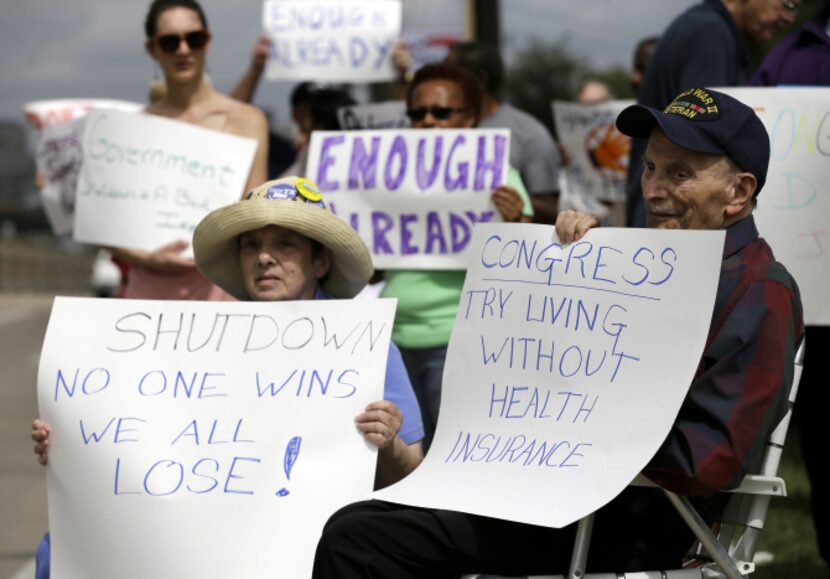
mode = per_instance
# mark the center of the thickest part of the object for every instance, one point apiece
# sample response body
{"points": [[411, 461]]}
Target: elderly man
{"points": [[705, 163]]}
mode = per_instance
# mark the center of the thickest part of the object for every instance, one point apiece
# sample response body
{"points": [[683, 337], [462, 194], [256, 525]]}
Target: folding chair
{"points": [[732, 547]]}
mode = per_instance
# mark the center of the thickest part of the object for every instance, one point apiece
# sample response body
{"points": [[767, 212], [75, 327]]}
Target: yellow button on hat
{"points": [[308, 190]]}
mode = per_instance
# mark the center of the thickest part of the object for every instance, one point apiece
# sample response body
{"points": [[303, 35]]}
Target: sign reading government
{"points": [[412, 195], [566, 368], [205, 439], [59, 126], [146, 181], [332, 40]]}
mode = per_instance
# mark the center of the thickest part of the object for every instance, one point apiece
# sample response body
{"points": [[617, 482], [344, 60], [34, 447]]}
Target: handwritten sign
{"points": [[58, 126], [599, 152], [793, 205], [205, 439], [413, 195], [566, 367], [147, 181], [58, 157], [45, 113], [432, 44], [332, 40], [385, 115]]}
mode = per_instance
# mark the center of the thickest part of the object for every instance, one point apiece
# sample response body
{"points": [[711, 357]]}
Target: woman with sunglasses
{"points": [[440, 96], [177, 38]]}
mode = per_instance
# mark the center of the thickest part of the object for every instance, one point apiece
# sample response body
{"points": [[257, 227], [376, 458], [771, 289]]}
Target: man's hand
{"points": [[40, 434], [380, 423], [572, 225]]}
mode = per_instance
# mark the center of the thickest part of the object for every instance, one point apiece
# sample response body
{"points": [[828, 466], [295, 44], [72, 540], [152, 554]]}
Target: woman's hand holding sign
{"points": [[380, 424], [509, 203], [40, 434]]}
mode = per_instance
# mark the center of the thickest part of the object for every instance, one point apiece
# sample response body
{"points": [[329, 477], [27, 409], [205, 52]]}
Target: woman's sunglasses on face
{"points": [[438, 113], [170, 43]]}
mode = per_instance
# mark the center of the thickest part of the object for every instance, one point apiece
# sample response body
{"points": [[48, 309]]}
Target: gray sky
{"points": [[95, 48]]}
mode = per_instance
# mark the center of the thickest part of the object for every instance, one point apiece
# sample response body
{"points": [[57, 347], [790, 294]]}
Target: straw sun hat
{"points": [[295, 204]]}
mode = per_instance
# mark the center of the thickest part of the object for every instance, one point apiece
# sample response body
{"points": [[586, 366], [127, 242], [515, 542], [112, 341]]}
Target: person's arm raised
{"points": [[167, 258], [245, 89]]}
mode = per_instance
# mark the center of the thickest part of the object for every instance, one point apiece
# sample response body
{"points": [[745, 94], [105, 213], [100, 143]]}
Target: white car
{"points": [[105, 277]]}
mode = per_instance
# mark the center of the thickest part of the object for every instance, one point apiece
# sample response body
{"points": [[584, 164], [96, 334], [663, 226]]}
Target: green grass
{"points": [[788, 531]]}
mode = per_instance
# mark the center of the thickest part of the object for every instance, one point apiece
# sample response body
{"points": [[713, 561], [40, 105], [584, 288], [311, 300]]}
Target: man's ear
{"points": [[741, 193], [322, 263]]}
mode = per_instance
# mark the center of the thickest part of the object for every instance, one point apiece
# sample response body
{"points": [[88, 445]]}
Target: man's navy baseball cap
{"points": [[706, 121]]}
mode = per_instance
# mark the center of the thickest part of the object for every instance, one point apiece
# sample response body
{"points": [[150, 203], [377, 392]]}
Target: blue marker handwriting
{"points": [[430, 161], [187, 332], [315, 383], [166, 477], [443, 232], [518, 402], [582, 264], [212, 432], [517, 449]]}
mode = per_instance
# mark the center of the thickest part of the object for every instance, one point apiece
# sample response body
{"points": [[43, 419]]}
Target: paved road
{"points": [[23, 517]]}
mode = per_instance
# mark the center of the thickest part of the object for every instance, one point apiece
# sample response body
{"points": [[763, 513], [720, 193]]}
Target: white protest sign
{"points": [[793, 207], [58, 156], [420, 191], [331, 40], [59, 128], [415, 232], [147, 181], [429, 45], [599, 152], [385, 115], [566, 368], [196, 439], [45, 113]]}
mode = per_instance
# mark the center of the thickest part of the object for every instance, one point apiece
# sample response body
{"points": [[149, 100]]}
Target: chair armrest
{"points": [[752, 484], [755, 484]]}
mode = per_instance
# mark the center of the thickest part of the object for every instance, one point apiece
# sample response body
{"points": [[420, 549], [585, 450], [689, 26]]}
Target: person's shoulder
{"points": [[519, 116], [759, 259], [245, 119], [528, 126], [702, 16]]}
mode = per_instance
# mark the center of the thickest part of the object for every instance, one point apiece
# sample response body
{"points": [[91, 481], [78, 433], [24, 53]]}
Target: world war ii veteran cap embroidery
{"points": [[706, 121]]}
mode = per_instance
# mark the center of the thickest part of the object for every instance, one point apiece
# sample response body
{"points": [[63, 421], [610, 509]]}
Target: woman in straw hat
{"points": [[283, 243]]}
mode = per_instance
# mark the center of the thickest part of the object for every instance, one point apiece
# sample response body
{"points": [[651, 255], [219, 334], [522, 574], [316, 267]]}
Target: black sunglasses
{"points": [[169, 43], [438, 113]]}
